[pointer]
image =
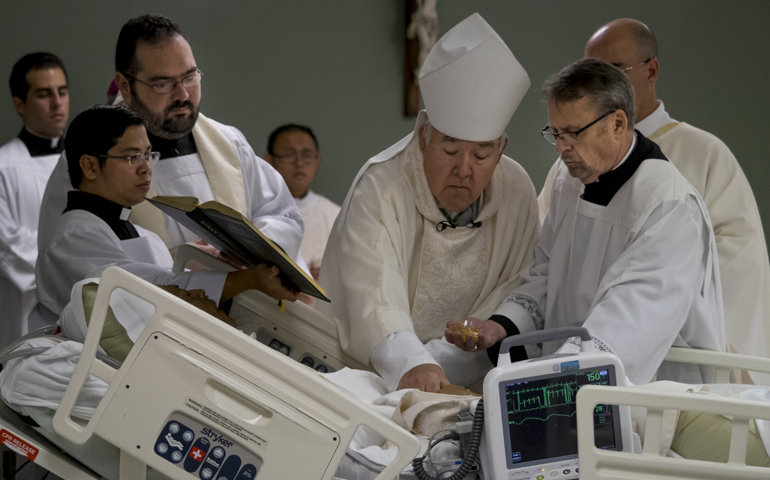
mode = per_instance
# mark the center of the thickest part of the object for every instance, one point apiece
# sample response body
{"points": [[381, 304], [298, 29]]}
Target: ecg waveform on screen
{"points": [[536, 398], [514, 422]]}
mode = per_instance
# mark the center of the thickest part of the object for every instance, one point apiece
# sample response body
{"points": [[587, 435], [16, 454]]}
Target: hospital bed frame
{"points": [[250, 384], [650, 465], [296, 330]]}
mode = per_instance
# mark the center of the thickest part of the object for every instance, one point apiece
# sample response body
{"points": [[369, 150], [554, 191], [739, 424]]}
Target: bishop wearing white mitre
{"points": [[438, 226]]}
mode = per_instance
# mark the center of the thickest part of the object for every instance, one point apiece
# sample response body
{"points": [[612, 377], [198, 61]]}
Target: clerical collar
{"points": [[462, 219], [39, 146], [173, 148], [601, 191], [116, 216], [654, 121]]}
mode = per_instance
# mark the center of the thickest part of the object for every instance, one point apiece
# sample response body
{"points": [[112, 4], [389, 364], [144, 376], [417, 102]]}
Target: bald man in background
{"points": [[707, 163]]}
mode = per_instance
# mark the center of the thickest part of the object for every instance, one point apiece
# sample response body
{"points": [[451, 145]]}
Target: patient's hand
{"points": [[489, 333], [426, 377]]}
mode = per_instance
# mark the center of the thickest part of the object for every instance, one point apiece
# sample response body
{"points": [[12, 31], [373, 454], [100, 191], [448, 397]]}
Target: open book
{"points": [[235, 235]]}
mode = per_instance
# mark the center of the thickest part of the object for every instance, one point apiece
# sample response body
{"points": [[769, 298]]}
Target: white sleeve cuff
{"points": [[397, 354], [460, 367]]}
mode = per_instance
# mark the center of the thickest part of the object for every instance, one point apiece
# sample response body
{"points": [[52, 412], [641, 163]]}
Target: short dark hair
{"points": [[606, 85], [147, 28], [289, 127], [32, 61], [93, 132]]}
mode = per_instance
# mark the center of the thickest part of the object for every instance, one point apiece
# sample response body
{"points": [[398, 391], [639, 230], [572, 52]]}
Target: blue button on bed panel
{"points": [[248, 472], [230, 468]]}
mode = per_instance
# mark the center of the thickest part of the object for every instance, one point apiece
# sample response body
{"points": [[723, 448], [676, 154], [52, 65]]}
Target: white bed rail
{"points": [[650, 465], [724, 362], [185, 357], [603, 464]]}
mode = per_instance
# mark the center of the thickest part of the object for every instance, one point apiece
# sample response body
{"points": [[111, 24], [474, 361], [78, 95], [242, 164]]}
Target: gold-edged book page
{"points": [[225, 210], [189, 204]]}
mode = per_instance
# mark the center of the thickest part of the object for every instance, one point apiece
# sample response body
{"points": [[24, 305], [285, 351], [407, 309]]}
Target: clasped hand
{"points": [[489, 333]]}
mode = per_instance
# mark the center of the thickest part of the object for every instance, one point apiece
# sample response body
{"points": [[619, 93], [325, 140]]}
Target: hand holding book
{"points": [[234, 235]]}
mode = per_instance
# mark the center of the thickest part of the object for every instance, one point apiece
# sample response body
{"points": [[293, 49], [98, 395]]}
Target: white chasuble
{"points": [[453, 262], [395, 281]]}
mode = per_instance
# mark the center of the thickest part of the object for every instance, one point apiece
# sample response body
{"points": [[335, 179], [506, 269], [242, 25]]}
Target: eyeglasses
{"points": [[625, 70], [291, 158], [168, 86], [137, 159], [570, 138]]}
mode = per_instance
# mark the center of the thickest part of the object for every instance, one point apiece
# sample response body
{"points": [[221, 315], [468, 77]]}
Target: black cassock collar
{"points": [[38, 146], [173, 148], [116, 216], [601, 191]]}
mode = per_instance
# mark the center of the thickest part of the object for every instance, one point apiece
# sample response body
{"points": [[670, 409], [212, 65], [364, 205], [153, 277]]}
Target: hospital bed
{"points": [[289, 388], [294, 329], [195, 395]]}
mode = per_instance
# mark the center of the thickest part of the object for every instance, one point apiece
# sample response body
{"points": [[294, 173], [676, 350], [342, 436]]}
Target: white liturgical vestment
{"points": [[23, 178], [395, 279], [265, 198], [640, 273], [82, 245], [709, 165], [318, 214]]}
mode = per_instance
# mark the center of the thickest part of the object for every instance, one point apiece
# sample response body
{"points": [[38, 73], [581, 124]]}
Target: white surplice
{"points": [[268, 202], [82, 245], [318, 214], [395, 280], [709, 165], [640, 274], [22, 181]]}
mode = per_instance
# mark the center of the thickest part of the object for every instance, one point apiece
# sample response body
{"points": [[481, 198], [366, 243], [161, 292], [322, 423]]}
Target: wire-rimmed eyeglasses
{"points": [[568, 137], [137, 159]]}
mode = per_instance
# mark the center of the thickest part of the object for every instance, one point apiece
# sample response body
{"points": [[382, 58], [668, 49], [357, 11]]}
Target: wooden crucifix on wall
{"points": [[421, 34]]}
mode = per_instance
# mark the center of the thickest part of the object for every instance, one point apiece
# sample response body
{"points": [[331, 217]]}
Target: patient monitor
{"points": [[196, 398], [295, 329], [530, 419]]}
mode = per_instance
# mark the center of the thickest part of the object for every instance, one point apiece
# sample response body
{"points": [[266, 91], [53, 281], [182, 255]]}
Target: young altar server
{"points": [[110, 164], [41, 98]]}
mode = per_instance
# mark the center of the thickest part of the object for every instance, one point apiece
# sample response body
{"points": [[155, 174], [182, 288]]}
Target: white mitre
{"points": [[471, 83]]}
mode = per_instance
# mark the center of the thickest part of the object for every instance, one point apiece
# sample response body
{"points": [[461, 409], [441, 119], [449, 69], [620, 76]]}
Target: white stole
{"points": [[223, 169]]}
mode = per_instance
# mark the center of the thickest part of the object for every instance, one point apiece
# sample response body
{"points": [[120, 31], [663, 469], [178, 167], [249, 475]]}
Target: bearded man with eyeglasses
{"points": [[709, 165], [159, 79], [626, 249]]}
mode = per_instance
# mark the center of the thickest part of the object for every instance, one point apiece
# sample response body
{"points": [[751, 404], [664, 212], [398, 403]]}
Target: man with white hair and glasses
{"points": [[626, 249]]}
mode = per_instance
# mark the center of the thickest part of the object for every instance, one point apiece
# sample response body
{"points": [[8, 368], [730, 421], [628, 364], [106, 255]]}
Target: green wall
{"points": [[338, 66]]}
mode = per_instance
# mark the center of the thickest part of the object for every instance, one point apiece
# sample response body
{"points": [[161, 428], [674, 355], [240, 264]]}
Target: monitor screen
{"points": [[542, 420]]}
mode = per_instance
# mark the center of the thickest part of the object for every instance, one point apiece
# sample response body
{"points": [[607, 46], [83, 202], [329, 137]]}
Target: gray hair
{"points": [[607, 87], [427, 133]]}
